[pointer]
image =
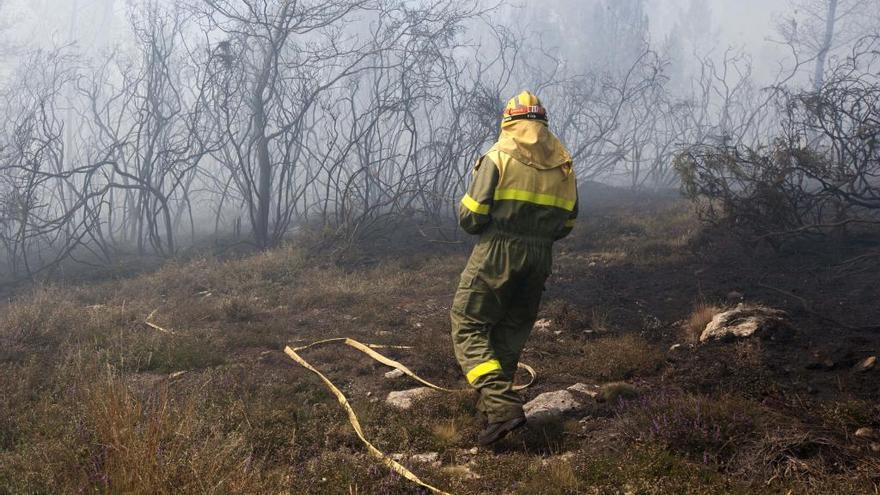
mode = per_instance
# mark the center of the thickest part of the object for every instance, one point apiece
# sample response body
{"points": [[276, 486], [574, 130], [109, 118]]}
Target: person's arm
{"points": [[473, 213], [569, 223]]}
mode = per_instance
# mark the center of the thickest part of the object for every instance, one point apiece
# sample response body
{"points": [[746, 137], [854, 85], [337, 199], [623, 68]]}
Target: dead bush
{"points": [[238, 308], [705, 430], [40, 324]]}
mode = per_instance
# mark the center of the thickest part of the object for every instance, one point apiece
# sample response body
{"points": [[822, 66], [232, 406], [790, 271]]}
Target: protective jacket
{"points": [[522, 197], [524, 186]]}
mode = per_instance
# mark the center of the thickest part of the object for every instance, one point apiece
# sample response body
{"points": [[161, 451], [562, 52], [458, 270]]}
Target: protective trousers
{"points": [[493, 312]]}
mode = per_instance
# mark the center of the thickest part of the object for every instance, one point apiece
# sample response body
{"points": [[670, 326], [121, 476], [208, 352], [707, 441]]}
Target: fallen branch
{"points": [[152, 325]]}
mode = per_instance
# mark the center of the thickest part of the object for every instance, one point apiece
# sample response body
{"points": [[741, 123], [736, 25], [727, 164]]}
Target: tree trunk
{"points": [[264, 168], [827, 41]]}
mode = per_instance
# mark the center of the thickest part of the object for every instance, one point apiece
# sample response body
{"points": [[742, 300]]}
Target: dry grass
{"points": [[616, 391], [701, 315], [87, 404], [239, 309], [447, 433], [600, 321], [620, 358], [557, 476]]}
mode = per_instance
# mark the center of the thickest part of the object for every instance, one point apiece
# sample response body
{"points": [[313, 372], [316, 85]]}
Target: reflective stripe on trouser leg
{"points": [[481, 369]]}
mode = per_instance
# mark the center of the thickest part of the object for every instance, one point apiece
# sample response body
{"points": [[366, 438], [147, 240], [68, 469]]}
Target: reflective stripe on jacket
{"points": [[512, 197]]}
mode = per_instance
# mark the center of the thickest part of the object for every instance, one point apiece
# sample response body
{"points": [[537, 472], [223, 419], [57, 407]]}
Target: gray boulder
{"points": [[591, 391], [404, 399], [551, 405], [746, 321]]}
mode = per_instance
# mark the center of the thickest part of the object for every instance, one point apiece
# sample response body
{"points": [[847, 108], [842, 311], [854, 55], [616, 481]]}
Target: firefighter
{"points": [[522, 198]]}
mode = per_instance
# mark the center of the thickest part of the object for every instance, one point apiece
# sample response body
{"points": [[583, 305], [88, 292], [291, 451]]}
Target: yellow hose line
{"points": [[352, 417]]}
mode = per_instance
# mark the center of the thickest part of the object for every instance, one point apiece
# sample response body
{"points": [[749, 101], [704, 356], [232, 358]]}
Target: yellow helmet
{"points": [[523, 106]]}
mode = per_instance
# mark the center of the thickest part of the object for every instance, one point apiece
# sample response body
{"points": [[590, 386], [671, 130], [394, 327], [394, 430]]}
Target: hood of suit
{"points": [[532, 143]]}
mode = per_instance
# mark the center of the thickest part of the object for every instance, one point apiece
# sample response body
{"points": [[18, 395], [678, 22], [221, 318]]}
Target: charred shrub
{"points": [[703, 429]]}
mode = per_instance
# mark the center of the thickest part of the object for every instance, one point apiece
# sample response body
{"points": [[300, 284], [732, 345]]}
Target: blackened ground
{"points": [[92, 399]]}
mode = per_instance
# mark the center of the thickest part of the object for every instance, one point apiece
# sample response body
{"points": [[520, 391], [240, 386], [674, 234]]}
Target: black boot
{"points": [[497, 431]]}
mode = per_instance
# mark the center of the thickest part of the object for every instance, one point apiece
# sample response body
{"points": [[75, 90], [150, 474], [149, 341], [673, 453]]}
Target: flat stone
{"points": [[426, 458], [395, 373], [745, 321], [866, 364], [431, 458], [550, 405], [404, 399], [591, 391], [461, 471]]}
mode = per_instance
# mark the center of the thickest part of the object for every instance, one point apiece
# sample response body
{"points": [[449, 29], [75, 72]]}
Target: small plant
{"points": [[616, 391], [620, 357], [447, 433], [697, 321], [238, 308], [561, 475], [600, 321], [706, 430]]}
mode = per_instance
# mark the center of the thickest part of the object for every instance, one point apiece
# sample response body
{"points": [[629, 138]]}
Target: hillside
{"points": [[204, 400]]}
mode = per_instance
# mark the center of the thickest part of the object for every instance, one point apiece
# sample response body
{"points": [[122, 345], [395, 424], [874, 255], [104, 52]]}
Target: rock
{"points": [[566, 457], [875, 447], [176, 374], [474, 451], [746, 321], [431, 458], [426, 458], [550, 405], [542, 325], [461, 471], [865, 432], [395, 373], [591, 391], [403, 399], [866, 364]]}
